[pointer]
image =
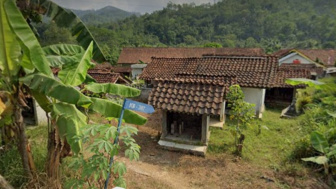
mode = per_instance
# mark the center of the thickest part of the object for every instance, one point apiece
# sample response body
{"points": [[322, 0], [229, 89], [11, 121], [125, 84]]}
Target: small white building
{"points": [[137, 70]]}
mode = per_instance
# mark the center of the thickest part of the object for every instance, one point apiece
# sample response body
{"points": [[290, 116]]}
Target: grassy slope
{"points": [[272, 148]]}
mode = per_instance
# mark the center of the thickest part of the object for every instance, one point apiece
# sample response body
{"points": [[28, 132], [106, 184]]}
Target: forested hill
{"points": [[105, 15], [231, 23]]}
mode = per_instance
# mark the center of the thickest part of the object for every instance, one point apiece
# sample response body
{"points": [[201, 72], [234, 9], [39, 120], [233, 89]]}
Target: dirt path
{"points": [[158, 173], [162, 169]]}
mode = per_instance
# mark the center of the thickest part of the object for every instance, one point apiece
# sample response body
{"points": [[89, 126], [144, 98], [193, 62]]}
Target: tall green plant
{"points": [[22, 59], [241, 112], [326, 155]]}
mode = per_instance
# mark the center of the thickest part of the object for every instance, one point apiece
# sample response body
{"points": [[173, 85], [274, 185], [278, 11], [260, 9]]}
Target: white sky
{"points": [[141, 6]]}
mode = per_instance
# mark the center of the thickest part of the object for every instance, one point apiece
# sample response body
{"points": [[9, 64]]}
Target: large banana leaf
{"points": [[111, 109], [66, 18], [10, 50], [69, 120], [29, 44], [74, 73], [55, 89], [63, 53], [42, 100], [110, 88]]}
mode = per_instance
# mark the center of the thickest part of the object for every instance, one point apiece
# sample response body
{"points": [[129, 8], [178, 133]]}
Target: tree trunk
{"points": [[240, 144], [4, 184], [57, 149], [23, 146]]}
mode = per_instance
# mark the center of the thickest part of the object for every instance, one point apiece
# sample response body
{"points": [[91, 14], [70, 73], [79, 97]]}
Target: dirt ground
{"points": [[159, 168]]}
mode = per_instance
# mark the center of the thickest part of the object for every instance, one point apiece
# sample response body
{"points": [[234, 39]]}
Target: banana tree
{"points": [[33, 9], [22, 59]]}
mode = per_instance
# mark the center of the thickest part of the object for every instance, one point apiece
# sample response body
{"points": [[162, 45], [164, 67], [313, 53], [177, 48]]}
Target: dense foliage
{"points": [[231, 23], [319, 122]]}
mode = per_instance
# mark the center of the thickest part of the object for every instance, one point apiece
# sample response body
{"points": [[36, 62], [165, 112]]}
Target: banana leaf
{"points": [[66, 18], [10, 50], [42, 100], [74, 73], [69, 120], [111, 88], [61, 54], [111, 109], [28, 42], [55, 89]]}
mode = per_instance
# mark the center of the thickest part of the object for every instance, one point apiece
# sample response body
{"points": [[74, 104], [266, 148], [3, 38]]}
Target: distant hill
{"points": [[269, 24], [105, 15]]}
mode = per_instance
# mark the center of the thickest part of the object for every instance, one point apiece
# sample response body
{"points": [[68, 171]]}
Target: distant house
{"points": [[282, 94], [103, 73], [322, 59], [190, 90], [136, 55]]}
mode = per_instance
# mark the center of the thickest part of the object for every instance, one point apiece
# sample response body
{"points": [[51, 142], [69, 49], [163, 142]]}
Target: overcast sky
{"points": [[141, 6]]}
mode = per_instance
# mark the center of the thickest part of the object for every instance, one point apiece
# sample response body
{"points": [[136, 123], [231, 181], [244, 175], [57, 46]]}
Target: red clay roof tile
{"points": [[187, 96], [131, 55]]}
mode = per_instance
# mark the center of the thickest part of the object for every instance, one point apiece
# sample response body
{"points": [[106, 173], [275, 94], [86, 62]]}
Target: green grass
{"points": [[10, 160], [271, 148], [38, 139]]}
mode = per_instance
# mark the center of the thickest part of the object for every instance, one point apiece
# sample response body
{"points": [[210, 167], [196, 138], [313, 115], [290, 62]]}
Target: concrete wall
{"points": [[255, 96], [291, 57], [137, 70], [40, 114]]}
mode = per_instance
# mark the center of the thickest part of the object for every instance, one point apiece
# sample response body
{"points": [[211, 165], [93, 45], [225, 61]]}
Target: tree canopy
{"points": [[231, 23]]}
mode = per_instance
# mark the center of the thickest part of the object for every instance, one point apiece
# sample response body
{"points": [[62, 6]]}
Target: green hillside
{"points": [[269, 24], [105, 15]]}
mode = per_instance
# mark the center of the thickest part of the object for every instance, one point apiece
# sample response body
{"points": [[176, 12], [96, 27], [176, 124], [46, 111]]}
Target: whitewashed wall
{"points": [[137, 69], [40, 114], [255, 96]]}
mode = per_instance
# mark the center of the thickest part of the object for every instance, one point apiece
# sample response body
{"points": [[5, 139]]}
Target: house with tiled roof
{"points": [[282, 94], [138, 57], [191, 90], [104, 73], [321, 59]]}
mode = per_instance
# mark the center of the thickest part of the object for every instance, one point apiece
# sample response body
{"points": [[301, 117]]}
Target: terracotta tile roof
{"points": [[106, 77], [133, 55], [287, 73], [314, 70], [104, 67], [282, 52], [189, 96], [325, 56], [258, 72]]}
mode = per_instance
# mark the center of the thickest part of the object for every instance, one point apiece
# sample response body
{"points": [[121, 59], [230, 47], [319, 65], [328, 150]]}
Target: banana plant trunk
{"points": [[23, 145], [57, 149]]}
